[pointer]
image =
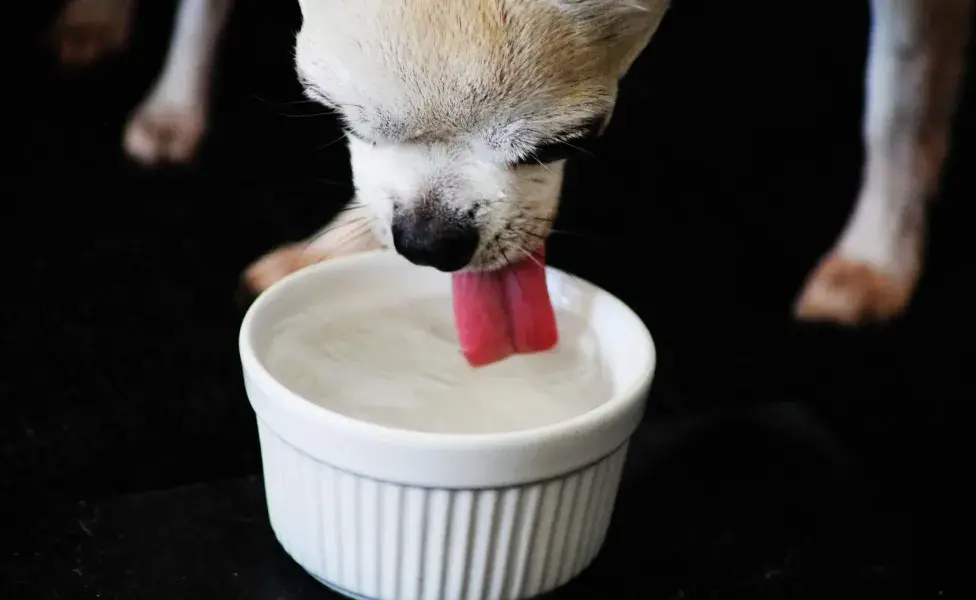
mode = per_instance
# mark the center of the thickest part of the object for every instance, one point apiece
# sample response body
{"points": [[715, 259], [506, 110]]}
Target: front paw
{"points": [[276, 265], [164, 133], [852, 292], [348, 235], [86, 30]]}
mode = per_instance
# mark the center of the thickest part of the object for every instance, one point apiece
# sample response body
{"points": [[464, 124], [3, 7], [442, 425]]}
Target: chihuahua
{"points": [[460, 114]]}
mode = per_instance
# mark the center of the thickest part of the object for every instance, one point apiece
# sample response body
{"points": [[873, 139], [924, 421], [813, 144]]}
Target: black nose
{"points": [[446, 242]]}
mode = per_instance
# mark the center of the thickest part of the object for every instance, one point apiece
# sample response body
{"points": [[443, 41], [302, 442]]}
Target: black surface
{"points": [[686, 527], [128, 450]]}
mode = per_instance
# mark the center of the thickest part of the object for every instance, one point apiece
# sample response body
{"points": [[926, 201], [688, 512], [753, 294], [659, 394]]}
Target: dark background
{"points": [[730, 166]]}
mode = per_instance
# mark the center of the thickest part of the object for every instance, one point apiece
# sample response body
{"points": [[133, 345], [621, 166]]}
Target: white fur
{"points": [[168, 125], [86, 30], [513, 206], [914, 67], [885, 227]]}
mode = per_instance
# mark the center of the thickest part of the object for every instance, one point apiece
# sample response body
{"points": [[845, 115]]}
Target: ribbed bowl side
{"points": [[383, 541]]}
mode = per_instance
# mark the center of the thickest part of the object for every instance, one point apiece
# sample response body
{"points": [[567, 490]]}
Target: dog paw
{"points": [[276, 265], [851, 292], [345, 237], [164, 134], [86, 30]]}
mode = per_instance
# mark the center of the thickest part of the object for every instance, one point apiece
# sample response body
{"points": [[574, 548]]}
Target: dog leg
{"points": [[88, 29], [349, 233], [914, 69], [169, 124]]}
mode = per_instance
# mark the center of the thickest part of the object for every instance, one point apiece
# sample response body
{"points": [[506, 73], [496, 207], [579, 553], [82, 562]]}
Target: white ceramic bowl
{"points": [[392, 514]]}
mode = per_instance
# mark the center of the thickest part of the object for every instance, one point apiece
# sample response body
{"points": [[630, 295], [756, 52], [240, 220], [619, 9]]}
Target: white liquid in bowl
{"points": [[401, 367]]}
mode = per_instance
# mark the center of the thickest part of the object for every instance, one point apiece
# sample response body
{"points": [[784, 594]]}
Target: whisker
{"points": [[283, 102], [524, 249], [531, 256], [359, 222], [551, 230], [542, 266], [353, 204], [331, 182], [350, 208], [309, 115], [570, 233], [523, 246], [280, 107], [543, 165], [360, 232], [577, 148], [341, 137], [508, 264]]}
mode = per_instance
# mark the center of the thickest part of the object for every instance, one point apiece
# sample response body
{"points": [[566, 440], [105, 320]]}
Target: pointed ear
{"points": [[622, 27]]}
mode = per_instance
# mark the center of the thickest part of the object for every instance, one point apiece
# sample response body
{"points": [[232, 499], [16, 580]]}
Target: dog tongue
{"points": [[504, 312]]}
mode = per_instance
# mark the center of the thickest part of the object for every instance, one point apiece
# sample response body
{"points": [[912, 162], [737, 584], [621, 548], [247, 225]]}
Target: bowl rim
{"points": [[621, 402]]}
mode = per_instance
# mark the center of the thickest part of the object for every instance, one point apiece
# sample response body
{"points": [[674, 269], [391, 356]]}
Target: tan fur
{"points": [[452, 68], [537, 61], [349, 233], [916, 58], [851, 292], [86, 30]]}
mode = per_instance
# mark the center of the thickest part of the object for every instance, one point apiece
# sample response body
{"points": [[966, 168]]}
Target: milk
{"points": [[400, 366]]}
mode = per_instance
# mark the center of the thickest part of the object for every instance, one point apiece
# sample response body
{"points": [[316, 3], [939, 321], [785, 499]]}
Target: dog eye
{"points": [[562, 150], [582, 141], [547, 153]]}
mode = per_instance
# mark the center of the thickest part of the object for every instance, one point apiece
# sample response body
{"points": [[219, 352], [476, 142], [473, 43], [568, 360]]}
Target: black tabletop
{"points": [[778, 517]]}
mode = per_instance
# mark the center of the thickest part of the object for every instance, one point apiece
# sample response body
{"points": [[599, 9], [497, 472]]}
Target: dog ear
{"points": [[622, 27]]}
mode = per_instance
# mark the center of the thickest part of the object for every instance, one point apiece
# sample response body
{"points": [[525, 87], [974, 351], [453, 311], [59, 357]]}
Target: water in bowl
{"points": [[400, 366]]}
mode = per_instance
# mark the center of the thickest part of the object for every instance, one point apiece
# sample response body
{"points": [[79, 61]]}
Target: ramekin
{"points": [[388, 514]]}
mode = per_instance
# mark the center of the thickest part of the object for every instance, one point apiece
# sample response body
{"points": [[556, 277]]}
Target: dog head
{"points": [[460, 113]]}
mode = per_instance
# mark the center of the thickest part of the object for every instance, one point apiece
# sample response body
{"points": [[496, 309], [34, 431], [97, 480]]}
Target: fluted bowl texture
{"points": [[388, 514]]}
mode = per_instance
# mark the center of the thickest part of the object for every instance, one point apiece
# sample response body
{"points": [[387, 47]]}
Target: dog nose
{"points": [[446, 242]]}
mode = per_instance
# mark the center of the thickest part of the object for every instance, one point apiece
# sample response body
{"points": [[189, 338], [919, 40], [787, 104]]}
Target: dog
{"points": [[460, 114]]}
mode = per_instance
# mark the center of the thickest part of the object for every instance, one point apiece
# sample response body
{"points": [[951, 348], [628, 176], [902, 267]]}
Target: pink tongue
{"points": [[504, 312]]}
